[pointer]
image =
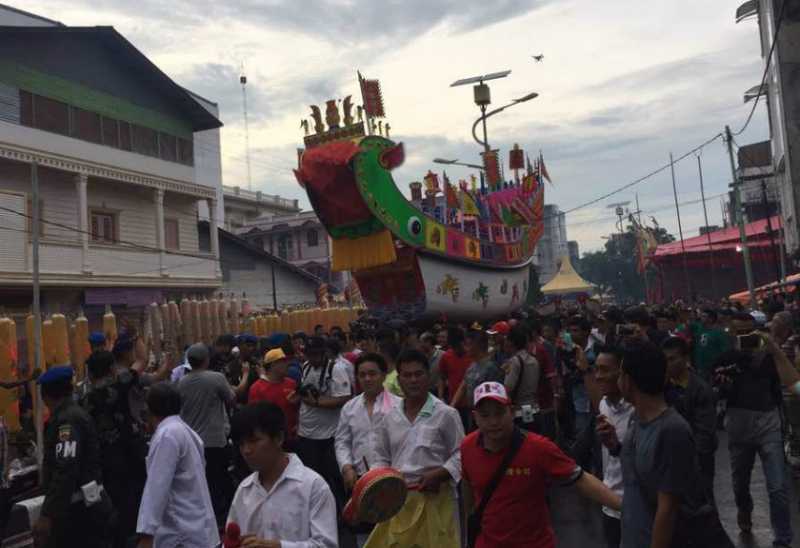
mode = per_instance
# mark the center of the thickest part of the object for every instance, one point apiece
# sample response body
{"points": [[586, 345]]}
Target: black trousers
{"points": [[91, 527], [612, 529], [320, 456], [220, 483]]}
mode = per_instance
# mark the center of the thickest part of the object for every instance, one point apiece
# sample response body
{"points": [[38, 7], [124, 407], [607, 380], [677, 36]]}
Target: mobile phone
{"points": [[749, 342]]}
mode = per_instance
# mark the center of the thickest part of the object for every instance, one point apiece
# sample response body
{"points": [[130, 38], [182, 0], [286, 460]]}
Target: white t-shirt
{"points": [[317, 423], [619, 416]]}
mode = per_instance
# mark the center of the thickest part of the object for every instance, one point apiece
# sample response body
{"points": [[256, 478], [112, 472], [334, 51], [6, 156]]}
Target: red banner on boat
{"points": [[516, 158], [372, 96], [491, 165]]}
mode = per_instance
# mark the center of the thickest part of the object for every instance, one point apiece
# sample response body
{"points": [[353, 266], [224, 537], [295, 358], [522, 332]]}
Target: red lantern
{"points": [[516, 158]]}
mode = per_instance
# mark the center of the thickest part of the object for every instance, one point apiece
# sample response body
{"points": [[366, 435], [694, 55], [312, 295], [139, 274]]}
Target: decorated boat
{"points": [[462, 250]]}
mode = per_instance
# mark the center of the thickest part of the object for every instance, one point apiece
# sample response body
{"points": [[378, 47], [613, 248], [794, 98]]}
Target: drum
{"points": [[377, 496]]}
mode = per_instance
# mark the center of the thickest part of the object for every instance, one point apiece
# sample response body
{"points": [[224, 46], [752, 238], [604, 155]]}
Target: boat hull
{"points": [[419, 286]]}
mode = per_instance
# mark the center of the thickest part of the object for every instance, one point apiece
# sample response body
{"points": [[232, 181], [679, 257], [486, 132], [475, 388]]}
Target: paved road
{"points": [[578, 524]]}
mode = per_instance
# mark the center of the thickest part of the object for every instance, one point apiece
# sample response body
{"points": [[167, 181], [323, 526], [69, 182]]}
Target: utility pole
{"points": [[37, 317], [274, 292], [644, 265], [739, 216], [708, 232], [776, 252], [680, 228], [243, 82]]}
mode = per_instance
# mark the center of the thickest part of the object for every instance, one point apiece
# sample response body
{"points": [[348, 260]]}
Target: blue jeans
{"points": [[582, 406], [754, 433]]}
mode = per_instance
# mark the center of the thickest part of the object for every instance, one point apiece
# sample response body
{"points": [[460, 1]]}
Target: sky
{"points": [[622, 84]]}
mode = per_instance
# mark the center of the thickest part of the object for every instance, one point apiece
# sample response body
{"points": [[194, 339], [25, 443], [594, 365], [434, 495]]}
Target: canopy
{"points": [[786, 287], [566, 281], [727, 239]]}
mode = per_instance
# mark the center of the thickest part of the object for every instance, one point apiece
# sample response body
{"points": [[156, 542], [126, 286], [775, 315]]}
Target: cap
{"points": [[274, 355], [500, 327], [55, 374], [198, 351], [277, 339], [246, 338], [315, 344], [97, 338], [493, 391]]}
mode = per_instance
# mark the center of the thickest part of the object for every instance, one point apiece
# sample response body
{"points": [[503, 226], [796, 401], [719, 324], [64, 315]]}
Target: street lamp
{"points": [[485, 115], [456, 163]]}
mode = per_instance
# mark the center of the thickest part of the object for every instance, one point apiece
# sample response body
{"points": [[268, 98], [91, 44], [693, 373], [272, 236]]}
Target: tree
{"points": [[615, 267]]}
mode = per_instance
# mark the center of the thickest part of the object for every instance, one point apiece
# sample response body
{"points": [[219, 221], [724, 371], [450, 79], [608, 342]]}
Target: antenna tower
{"points": [[243, 82]]}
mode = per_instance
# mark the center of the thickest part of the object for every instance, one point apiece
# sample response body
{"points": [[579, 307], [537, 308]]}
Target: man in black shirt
{"points": [[748, 380]]}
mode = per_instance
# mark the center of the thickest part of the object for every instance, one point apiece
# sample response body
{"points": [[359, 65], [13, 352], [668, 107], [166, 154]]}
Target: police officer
{"points": [[76, 510]]}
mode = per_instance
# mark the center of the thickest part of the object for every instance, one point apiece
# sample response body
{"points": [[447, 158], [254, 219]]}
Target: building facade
{"points": [[111, 141], [245, 207], [299, 239], [783, 100], [553, 244]]}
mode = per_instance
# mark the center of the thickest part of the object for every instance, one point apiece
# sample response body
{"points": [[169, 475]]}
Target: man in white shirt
{"points": [[355, 447], [176, 506], [325, 387], [282, 504], [420, 437], [612, 426]]}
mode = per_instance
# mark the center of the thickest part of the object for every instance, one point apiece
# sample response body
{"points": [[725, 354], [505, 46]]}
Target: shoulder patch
{"points": [[65, 432]]}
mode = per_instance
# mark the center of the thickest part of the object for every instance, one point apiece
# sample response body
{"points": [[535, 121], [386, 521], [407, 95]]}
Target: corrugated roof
{"points": [[727, 238]]}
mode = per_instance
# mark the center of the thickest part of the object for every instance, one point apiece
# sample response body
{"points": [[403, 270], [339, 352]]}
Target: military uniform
{"points": [[122, 447], [71, 462]]}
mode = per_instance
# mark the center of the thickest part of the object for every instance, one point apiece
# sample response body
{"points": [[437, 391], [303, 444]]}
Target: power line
{"points": [[766, 68]]}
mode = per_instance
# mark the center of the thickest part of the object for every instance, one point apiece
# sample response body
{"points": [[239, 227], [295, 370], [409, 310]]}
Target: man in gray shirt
{"points": [[665, 504], [522, 379], [206, 396]]}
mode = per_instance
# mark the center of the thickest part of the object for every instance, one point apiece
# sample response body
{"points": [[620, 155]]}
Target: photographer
{"points": [[748, 379], [324, 389]]}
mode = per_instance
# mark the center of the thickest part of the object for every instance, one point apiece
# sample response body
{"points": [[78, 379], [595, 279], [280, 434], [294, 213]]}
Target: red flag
{"points": [[544, 169], [373, 99], [450, 194]]}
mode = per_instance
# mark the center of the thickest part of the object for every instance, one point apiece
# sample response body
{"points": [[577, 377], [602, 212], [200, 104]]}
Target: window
{"points": [[86, 126], [124, 135], [313, 238], [145, 140], [285, 247], [186, 151], [110, 132], [51, 115], [168, 147], [171, 234], [104, 227]]}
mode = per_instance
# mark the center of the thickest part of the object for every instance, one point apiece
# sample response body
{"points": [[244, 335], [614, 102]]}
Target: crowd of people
{"points": [[260, 441]]}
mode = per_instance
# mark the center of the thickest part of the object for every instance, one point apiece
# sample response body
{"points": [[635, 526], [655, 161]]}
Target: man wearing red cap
{"points": [[513, 514]]}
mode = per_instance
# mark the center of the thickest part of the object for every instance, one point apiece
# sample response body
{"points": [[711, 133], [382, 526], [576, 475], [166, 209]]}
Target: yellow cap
{"points": [[274, 355]]}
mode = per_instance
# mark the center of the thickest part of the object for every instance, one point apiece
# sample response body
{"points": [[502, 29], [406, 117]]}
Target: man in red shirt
{"points": [[452, 367], [549, 384], [275, 387], [516, 515]]}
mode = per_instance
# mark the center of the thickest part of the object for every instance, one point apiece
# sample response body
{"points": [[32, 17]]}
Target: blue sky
{"points": [[622, 84]]}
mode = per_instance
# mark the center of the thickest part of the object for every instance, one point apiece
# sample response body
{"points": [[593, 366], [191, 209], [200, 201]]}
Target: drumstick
{"points": [[366, 464]]}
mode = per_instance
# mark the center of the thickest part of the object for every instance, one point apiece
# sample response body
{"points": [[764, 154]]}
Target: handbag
{"points": [[475, 518]]}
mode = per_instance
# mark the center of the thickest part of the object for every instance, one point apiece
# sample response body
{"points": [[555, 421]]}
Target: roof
{"points": [[725, 239], [241, 242], [200, 118], [787, 286], [31, 15], [566, 281]]}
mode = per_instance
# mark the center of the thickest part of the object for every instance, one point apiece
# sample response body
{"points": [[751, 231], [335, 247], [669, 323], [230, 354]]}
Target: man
{"points": [[206, 396], [75, 504], [578, 363], [97, 341], [748, 380], [427, 344], [499, 331], [277, 388], [176, 508], [452, 367], [665, 504], [517, 514], [222, 355], [612, 426], [319, 330], [334, 347], [782, 331], [325, 389], [694, 399], [709, 343], [549, 389], [122, 445], [390, 350], [244, 372], [282, 504], [420, 436], [483, 369], [522, 379], [355, 448]]}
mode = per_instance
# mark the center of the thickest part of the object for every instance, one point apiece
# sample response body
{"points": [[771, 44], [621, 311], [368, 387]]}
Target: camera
{"points": [[749, 342], [308, 390]]}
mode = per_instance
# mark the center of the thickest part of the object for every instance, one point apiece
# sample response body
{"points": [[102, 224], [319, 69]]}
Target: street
{"points": [[577, 522]]}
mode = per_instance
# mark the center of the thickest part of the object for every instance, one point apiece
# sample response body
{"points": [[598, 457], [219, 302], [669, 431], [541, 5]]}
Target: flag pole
{"points": [[641, 250], [680, 229], [708, 232]]}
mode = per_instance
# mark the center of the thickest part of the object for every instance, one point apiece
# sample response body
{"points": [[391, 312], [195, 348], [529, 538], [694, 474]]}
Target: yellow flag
{"points": [[468, 206]]}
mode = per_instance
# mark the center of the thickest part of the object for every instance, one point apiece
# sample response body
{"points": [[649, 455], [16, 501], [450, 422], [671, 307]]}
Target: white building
{"points": [[245, 207], [552, 245], [115, 144]]}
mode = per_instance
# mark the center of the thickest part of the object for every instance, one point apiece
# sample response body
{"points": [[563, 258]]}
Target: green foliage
{"points": [[614, 268]]}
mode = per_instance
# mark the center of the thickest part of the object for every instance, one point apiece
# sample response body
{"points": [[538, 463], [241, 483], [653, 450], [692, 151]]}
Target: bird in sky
{"points": [[538, 58]]}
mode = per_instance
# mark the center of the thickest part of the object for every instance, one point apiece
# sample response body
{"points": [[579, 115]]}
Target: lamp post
{"points": [[483, 100], [456, 163]]}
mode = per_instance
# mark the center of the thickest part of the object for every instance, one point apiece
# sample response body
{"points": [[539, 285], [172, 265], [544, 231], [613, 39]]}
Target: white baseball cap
{"points": [[491, 390]]}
